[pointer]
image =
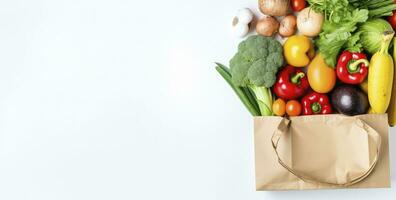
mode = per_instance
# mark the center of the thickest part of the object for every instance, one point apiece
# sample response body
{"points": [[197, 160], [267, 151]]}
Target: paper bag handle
{"points": [[283, 128]]}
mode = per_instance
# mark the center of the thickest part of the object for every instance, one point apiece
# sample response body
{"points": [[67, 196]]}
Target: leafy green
{"points": [[353, 43], [342, 17], [255, 66], [341, 20], [334, 10]]}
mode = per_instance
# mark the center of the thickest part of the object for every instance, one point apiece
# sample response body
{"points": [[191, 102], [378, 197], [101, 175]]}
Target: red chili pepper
{"points": [[291, 83], [315, 103], [352, 68]]}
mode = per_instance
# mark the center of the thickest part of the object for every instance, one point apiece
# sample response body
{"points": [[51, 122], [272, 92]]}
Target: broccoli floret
{"points": [[255, 66], [257, 61]]}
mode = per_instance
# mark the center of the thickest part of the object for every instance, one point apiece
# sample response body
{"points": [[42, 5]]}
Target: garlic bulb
{"points": [[240, 30], [241, 22], [244, 15]]}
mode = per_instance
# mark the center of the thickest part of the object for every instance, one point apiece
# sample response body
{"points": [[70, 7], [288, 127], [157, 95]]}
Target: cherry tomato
{"points": [[392, 20], [298, 5], [293, 108], [279, 107]]}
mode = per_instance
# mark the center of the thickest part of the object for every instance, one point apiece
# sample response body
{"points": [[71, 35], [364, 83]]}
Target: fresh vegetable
{"points": [[279, 107], [245, 15], [243, 93], [392, 20], [293, 108], [240, 23], [335, 25], [309, 22], [287, 26], [291, 83], [392, 106], [274, 7], [255, 66], [377, 8], [321, 77], [240, 30], [373, 33], [380, 78], [298, 5], [341, 21], [267, 26], [298, 50], [349, 100], [315, 103], [352, 68]]}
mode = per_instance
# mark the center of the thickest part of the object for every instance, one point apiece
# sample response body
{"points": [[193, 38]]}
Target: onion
{"points": [[288, 26], [267, 26], [274, 7], [309, 22]]}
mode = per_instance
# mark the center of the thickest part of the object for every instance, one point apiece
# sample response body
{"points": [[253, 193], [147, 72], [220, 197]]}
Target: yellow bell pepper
{"points": [[298, 50]]}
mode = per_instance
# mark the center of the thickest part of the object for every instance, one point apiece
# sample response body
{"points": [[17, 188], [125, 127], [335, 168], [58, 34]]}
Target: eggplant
{"points": [[349, 100]]}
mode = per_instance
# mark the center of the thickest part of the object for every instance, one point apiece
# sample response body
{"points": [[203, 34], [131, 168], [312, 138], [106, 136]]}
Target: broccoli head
{"points": [[255, 65], [257, 61]]}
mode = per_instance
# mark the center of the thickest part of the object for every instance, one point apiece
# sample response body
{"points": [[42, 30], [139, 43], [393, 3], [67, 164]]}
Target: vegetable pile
{"points": [[335, 58]]}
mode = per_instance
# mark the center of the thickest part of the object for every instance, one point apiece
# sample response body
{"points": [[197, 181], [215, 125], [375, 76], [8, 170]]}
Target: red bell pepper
{"points": [[352, 68], [291, 83], [315, 103]]}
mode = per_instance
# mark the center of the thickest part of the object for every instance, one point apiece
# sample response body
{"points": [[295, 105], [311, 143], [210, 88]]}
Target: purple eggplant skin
{"points": [[349, 100]]}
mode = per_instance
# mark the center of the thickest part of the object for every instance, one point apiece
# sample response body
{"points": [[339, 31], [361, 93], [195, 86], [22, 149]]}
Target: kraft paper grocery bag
{"points": [[321, 151]]}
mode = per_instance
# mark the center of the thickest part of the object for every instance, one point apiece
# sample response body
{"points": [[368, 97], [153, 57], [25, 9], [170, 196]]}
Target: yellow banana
{"points": [[380, 78], [392, 104]]}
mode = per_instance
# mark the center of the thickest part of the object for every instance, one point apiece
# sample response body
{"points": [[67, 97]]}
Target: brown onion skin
{"points": [[274, 7], [267, 26], [288, 26]]}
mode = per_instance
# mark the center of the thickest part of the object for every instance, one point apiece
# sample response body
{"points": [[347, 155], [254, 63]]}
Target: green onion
{"points": [[384, 11], [244, 94]]}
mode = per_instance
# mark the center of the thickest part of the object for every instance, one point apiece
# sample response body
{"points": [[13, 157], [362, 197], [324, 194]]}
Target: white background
{"points": [[119, 99]]}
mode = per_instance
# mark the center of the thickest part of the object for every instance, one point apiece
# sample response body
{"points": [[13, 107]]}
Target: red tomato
{"points": [[293, 108], [298, 5], [392, 20]]}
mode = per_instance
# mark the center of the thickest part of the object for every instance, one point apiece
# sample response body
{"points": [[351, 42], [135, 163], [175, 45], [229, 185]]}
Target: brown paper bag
{"points": [[321, 151]]}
